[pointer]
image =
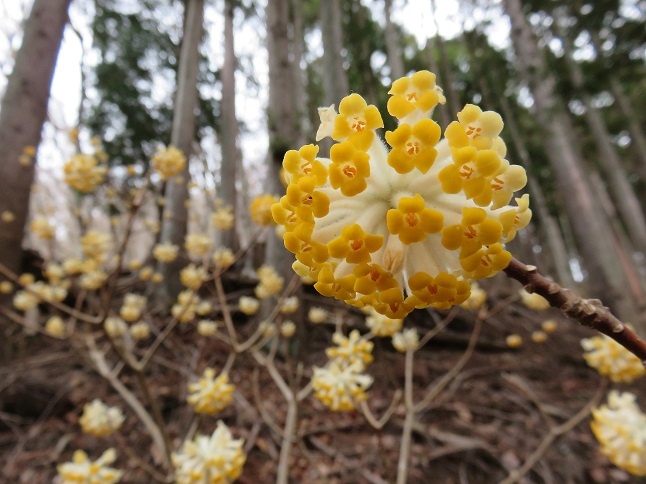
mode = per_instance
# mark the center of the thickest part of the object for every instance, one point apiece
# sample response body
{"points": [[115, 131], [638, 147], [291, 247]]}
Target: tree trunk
{"points": [[175, 219], [23, 112], [626, 107], [392, 45], [335, 80], [442, 110], [590, 226], [452, 97], [281, 117], [298, 48], [627, 203], [556, 244], [230, 130]]}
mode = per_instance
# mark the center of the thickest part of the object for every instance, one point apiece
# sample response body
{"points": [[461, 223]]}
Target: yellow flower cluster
{"points": [[260, 209], [41, 228], [620, 428], [168, 162], [189, 305], [206, 460], [269, 282], [350, 349], [198, 245], [249, 305], [55, 326], [407, 340], [38, 292], [95, 244], [133, 305], [99, 419], [611, 359], [82, 173], [210, 394], [165, 252], [342, 383], [533, 300], [81, 470], [192, 276], [222, 218], [223, 258], [340, 386], [408, 227]]}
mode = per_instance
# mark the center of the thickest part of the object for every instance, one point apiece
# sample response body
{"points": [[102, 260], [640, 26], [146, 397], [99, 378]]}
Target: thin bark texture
{"points": [[623, 193], [230, 129], [335, 80], [175, 220], [590, 226], [281, 116], [393, 44], [23, 112]]}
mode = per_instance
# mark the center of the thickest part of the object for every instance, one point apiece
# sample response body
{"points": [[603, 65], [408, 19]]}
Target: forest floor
{"points": [[492, 417]]}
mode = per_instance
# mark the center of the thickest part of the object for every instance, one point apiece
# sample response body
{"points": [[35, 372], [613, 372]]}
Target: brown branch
{"points": [[588, 312]]}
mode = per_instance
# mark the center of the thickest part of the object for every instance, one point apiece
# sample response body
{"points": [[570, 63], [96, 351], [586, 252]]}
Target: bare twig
{"points": [[588, 312], [553, 434]]}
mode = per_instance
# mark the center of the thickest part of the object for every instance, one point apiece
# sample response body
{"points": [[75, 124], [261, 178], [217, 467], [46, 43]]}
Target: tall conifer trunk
{"points": [[622, 191], [175, 221], [591, 229]]}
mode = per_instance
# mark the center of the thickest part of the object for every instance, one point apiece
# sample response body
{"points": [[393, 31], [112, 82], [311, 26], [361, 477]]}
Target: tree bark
{"points": [[392, 45], [452, 97], [298, 42], [23, 112], [623, 193], [606, 278], [175, 219], [230, 130], [281, 117], [335, 80], [625, 106]]}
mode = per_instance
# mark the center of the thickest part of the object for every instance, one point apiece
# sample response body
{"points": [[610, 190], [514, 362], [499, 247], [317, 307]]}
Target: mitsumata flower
{"points": [[408, 227], [620, 427]]}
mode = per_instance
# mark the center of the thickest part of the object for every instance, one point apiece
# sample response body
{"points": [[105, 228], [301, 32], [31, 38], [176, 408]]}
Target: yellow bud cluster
{"points": [[82, 470], [269, 282], [210, 394], [198, 245], [188, 306], [165, 252], [41, 228], [168, 162], [350, 349], [260, 209], [210, 459], [620, 428], [533, 300], [82, 173], [99, 419], [611, 359], [406, 228], [95, 244], [339, 386]]}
